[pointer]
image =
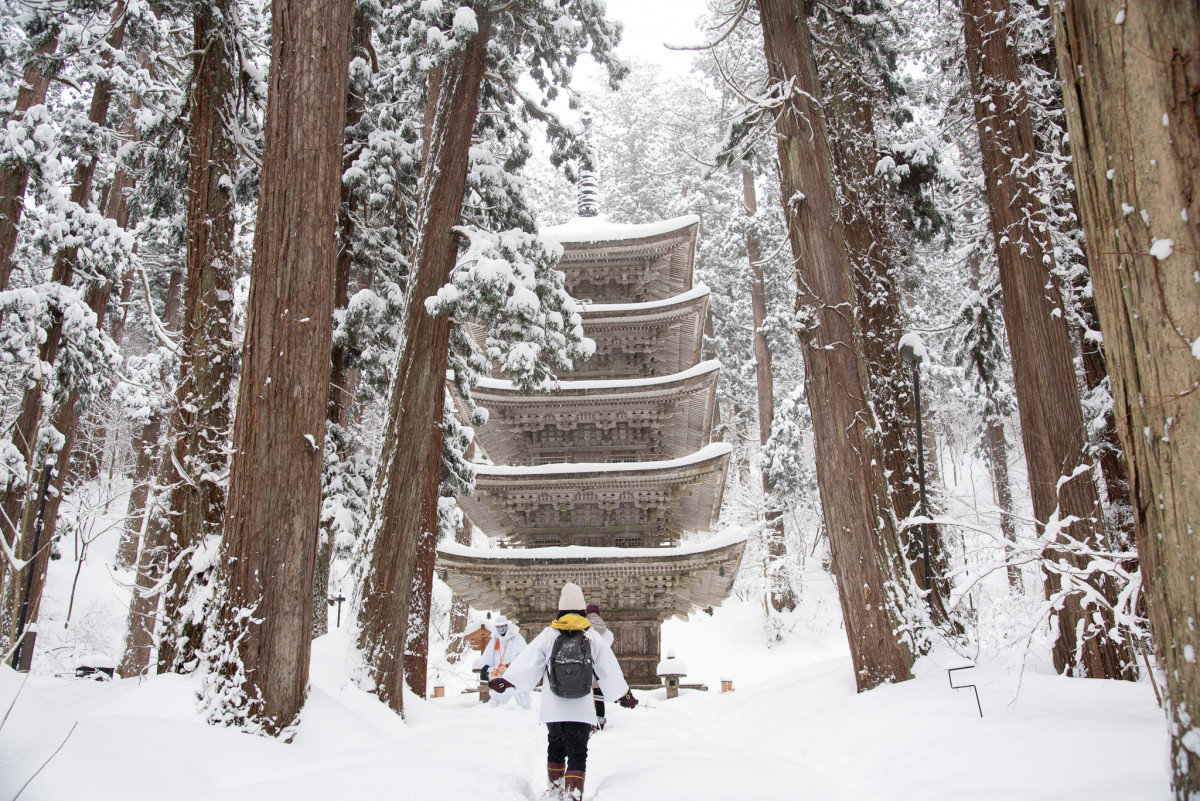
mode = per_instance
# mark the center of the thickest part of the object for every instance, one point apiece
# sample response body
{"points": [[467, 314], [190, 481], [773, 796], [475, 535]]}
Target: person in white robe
{"points": [[504, 646], [569, 721]]}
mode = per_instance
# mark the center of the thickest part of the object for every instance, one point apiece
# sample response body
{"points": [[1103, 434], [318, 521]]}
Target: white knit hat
{"points": [[571, 599], [499, 621]]}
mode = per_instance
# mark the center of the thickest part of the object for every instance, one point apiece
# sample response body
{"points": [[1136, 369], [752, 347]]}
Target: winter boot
{"points": [[554, 772], [573, 785]]}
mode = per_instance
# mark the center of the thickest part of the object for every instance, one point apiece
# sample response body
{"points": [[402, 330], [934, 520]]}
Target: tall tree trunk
{"points": [[1047, 393], [850, 101], [14, 178], [145, 521], [341, 378], [141, 622], [146, 445], [409, 466], [459, 608], [1111, 458], [867, 556], [779, 587], [200, 423], [28, 422], [997, 450], [1130, 90], [65, 421], [262, 612]]}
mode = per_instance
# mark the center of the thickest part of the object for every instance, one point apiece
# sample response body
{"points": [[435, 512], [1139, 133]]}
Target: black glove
{"points": [[483, 674], [627, 700], [500, 685]]}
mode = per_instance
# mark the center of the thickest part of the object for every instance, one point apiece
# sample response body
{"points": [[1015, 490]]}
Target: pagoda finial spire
{"points": [[589, 190]]}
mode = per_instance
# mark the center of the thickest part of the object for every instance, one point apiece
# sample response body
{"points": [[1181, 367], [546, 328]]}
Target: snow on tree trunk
{"points": [[25, 428], [850, 105], [782, 596], [1130, 79], [867, 559], [257, 644], [1047, 393], [117, 209], [14, 178], [409, 468], [65, 420], [146, 445], [200, 422]]}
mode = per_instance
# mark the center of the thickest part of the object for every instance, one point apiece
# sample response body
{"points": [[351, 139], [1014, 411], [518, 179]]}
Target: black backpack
{"points": [[570, 669]]}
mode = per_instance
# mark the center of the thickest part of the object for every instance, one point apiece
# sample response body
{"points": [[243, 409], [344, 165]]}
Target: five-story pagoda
{"points": [[598, 481]]}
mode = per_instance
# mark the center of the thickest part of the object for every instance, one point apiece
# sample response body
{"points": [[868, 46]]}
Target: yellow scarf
{"points": [[571, 623]]}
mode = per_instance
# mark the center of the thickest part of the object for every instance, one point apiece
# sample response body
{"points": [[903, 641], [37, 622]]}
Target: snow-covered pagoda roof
{"points": [[659, 337], [624, 582], [624, 504], [624, 263], [600, 420]]}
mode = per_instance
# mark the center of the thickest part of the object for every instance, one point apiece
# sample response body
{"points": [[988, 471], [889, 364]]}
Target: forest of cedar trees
{"points": [[223, 225]]}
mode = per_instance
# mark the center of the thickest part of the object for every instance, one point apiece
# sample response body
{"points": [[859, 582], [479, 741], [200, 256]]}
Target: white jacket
{"points": [[530, 668], [503, 650]]}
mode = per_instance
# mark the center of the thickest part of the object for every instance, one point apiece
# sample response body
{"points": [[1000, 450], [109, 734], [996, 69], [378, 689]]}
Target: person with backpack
{"points": [[566, 655], [504, 646]]}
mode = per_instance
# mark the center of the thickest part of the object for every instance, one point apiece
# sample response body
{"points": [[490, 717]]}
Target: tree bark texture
{"points": [[342, 378], [200, 422], [850, 106], [779, 588], [997, 449], [867, 557], [263, 602], [409, 466], [1048, 399], [1131, 79], [14, 179]]}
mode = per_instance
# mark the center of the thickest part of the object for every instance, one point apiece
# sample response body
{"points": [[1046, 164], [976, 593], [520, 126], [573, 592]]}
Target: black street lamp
{"points": [[338, 600], [912, 351]]}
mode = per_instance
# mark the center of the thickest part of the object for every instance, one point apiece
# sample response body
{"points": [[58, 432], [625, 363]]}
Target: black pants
{"points": [[568, 743], [598, 700]]}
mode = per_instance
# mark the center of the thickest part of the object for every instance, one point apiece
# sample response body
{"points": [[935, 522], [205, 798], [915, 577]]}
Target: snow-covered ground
{"points": [[793, 729]]}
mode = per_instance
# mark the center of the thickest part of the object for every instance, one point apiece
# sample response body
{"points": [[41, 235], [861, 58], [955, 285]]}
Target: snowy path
{"points": [[803, 734], [795, 730]]}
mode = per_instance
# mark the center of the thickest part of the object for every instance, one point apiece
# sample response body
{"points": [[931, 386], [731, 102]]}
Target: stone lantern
{"points": [[671, 670]]}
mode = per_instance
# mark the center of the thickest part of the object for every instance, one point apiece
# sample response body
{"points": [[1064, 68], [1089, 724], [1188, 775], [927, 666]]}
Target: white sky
{"points": [[650, 23]]}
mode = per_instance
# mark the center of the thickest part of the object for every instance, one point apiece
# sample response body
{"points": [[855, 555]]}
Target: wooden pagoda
{"points": [[599, 481]]}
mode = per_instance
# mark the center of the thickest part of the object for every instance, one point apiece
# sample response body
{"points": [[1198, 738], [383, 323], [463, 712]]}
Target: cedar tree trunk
{"points": [[1131, 77], [1052, 428], [262, 614], [200, 422], [779, 588], [867, 557], [406, 486], [14, 178]]}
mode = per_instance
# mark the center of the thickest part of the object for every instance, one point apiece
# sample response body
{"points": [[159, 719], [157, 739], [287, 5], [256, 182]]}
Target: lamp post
{"points": [[337, 599], [912, 351]]}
